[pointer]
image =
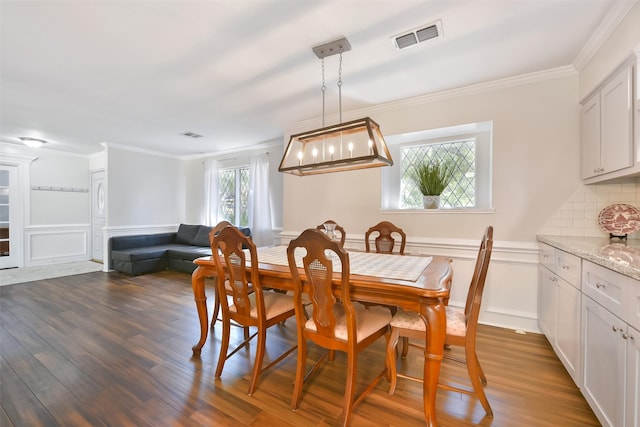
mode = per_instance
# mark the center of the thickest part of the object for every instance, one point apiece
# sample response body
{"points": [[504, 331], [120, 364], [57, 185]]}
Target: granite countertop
{"points": [[618, 255]]}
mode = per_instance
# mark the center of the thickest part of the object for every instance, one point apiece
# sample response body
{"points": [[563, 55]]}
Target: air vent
{"points": [[191, 134], [418, 35]]}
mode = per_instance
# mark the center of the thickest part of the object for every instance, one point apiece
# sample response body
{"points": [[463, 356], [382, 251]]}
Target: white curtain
{"points": [[260, 201], [210, 214]]}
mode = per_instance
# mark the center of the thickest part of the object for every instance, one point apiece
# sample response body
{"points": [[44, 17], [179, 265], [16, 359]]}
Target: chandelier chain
{"points": [[340, 83], [323, 88]]}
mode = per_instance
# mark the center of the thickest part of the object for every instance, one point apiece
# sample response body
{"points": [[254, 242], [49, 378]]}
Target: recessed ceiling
{"points": [[141, 73]]}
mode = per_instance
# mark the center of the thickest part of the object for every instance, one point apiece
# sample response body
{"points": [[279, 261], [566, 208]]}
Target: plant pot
{"points": [[431, 202]]}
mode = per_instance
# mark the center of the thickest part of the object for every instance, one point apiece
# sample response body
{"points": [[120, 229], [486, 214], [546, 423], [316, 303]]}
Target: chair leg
{"points": [[224, 346], [350, 389], [391, 359], [216, 308], [257, 365], [300, 368], [474, 369], [405, 347], [483, 378]]}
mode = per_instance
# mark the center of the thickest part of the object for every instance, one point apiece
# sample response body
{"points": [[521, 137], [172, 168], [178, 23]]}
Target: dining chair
{"points": [[244, 301], [338, 228], [336, 326], [462, 325], [216, 304], [384, 242]]}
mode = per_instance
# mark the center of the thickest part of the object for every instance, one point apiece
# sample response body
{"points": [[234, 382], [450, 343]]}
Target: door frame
{"points": [[94, 195], [21, 203]]}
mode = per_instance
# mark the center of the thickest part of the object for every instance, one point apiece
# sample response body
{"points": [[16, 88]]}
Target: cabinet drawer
{"points": [[569, 267], [617, 293], [548, 256]]}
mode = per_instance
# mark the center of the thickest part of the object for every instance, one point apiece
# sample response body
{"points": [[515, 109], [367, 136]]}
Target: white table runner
{"points": [[401, 267]]}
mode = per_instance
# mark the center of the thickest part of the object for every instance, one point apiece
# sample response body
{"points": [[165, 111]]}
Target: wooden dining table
{"points": [[414, 283]]}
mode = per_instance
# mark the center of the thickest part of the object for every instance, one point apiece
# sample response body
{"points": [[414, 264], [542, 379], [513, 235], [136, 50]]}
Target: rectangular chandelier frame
{"points": [[358, 144]]}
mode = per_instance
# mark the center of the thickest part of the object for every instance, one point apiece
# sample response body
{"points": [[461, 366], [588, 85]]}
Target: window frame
{"points": [[237, 196], [482, 132]]}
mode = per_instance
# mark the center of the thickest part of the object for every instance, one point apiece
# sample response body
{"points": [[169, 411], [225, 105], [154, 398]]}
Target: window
{"points": [[467, 147], [233, 189]]}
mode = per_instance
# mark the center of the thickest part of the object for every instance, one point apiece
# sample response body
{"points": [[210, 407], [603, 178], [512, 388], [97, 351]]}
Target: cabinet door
{"points": [[616, 106], [603, 381], [568, 328], [547, 303], [632, 417], [590, 135]]}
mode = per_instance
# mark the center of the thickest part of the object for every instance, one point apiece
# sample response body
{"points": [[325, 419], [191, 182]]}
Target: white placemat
{"points": [[401, 267]]}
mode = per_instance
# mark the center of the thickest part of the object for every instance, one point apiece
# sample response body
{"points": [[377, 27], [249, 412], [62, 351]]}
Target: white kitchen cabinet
{"points": [[607, 125], [559, 305], [611, 354], [548, 303], [568, 328], [604, 363], [632, 414]]}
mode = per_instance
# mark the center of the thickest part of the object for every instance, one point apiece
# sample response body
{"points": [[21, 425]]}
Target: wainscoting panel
{"points": [[48, 244]]}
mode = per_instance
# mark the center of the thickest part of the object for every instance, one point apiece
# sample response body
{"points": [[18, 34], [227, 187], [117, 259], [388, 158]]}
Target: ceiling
{"points": [[141, 73]]}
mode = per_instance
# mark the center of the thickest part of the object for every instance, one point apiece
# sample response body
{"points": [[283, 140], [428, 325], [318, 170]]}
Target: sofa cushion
{"points": [[188, 252], [186, 233], [141, 240], [202, 237], [139, 254]]}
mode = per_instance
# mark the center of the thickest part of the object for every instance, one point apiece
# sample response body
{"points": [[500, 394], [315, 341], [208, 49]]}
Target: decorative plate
{"points": [[619, 219]]}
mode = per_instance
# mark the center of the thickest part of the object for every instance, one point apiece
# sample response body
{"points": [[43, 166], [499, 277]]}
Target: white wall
{"points": [[535, 166], [56, 226], [59, 170], [144, 189]]}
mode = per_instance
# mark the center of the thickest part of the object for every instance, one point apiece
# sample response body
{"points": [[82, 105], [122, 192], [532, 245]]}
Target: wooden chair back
{"points": [[319, 263], [217, 229], [384, 242], [343, 234], [478, 280], [241, 281]]}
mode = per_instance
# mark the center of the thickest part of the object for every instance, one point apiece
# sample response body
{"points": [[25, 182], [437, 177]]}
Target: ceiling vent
{"points": [[418, 35], [191, 134]]}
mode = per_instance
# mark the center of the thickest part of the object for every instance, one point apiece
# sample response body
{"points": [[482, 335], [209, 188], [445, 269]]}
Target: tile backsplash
{"points": [[578, 216]]}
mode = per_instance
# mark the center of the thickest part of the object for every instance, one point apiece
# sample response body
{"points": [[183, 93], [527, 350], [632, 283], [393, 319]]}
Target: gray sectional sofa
{"points": [[146, 253]]}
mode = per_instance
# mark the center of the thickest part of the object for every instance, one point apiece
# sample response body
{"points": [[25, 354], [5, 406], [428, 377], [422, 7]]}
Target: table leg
{"points": [[435, 316], [197, 283]]}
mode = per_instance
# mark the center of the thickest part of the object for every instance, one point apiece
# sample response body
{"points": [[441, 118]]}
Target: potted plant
{"points": [[432, 178]]}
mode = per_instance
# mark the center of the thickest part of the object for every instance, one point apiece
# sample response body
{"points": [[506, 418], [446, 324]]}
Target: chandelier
{"points": [[357, 144]]}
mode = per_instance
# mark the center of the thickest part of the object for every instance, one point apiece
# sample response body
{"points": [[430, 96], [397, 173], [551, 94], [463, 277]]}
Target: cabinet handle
{"points": [[565, 267], [627, 336], [616, 329], [600, 285], [553, 278]]}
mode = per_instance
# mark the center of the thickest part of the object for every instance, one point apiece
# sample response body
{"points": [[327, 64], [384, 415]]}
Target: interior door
{"points": [[98, 219], [10, 240]]}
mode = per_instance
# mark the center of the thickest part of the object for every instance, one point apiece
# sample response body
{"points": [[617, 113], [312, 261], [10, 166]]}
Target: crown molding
{"points": [[608, 25], [521, 80], [108, 145], [234, 151]]}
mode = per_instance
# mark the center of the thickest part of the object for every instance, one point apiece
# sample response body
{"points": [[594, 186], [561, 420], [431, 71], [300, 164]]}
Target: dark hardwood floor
{"points": [[103, 349]]}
